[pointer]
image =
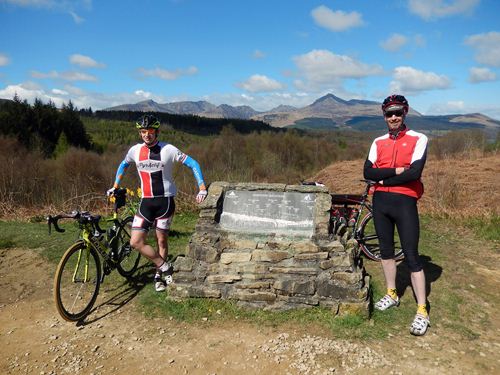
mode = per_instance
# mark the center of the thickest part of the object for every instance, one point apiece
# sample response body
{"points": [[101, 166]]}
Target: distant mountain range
{"points": [[327, 112]]}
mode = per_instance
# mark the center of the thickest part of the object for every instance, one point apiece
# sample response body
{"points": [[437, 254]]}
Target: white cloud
{"points": [[4, 59], [65, 76], [394, 43], [320, 69], [29, 92], [168, 75], [64, 6], [40, 75], [31, 3], [74, 91], [76, 17], [143, 94], [409, 80], [85, 61], [77, 76], [434, 9], [462, 107], [260, 83], [80, 98], [336, 20], [448, 107], [50, 4], [487, 47], [59, 92], [477, 75], [258, 54]]}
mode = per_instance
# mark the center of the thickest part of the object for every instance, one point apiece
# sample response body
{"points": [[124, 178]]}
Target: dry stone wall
{"points": [[271, 270]]}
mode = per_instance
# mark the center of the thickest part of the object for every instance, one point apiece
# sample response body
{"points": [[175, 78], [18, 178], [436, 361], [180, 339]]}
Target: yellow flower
{"points": [[139, 191], [112, 199], [130, 192]]}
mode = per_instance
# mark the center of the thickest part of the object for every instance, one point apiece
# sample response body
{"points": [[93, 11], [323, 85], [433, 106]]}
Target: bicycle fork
{"points": [[85, 266]]}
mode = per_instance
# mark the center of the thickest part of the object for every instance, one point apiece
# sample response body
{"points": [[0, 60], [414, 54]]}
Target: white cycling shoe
{"points": [[386, 302], [420, 325], [160, 285]]}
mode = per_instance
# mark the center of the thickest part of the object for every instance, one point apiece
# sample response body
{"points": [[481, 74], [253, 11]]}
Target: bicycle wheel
{"points": [[129, 257], [368, 240], [76, 283]]}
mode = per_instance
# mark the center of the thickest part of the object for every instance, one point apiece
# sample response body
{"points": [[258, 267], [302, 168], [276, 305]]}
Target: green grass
{"points": [[485, 228], [36, 236], [196, 310], [450, 307]]}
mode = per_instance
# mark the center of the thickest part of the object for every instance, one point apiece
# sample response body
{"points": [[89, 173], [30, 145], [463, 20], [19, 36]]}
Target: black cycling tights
{"points": [[391, 209]]}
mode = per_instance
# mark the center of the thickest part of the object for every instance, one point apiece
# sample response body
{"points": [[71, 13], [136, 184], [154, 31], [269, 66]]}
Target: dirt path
{"points": [[119, 340]]}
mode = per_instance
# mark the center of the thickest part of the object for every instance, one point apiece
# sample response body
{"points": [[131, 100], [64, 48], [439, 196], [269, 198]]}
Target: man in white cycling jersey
{"points": [[154, 161]]}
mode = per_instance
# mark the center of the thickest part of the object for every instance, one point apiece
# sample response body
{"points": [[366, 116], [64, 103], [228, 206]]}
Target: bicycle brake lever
{"points": [[60, 230], [49, 220], [53, 221]]}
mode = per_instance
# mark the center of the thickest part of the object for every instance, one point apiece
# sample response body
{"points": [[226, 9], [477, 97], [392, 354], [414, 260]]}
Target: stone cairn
{"points": [[272, 271]]}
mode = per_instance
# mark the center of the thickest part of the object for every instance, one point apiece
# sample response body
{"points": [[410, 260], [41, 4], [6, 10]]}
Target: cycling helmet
{"points": [[147, 122], [395, 103]]}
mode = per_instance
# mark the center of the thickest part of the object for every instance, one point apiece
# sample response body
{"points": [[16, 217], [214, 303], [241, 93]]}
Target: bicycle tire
{"points": [[76, 288], [129, 257], [368, 240]]}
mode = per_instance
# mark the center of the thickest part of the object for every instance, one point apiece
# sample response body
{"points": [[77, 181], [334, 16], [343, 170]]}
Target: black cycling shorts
{"points": [[400, 210], [157, 211]]}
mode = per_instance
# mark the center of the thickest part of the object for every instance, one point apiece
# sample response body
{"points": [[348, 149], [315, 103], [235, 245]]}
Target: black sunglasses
{"points": [[399, 113]]}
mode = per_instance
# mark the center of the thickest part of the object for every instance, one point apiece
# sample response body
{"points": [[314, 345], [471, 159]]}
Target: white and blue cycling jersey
{"points": [[155, 165]]}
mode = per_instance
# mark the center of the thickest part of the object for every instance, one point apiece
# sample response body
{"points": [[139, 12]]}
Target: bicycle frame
{"points": [[363, 231], [88, 260], [350, 202], [87, 235]]}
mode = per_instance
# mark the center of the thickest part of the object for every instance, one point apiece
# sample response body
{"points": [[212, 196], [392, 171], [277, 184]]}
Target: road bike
{"points": [[94, 255], [348, 218]]}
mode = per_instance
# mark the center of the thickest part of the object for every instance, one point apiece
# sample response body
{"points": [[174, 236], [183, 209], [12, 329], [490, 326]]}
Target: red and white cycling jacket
{"points": [[406, 149]]}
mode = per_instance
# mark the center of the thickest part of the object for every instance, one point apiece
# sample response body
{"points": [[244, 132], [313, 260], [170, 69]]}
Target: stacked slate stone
{"points": [[271, 270]]}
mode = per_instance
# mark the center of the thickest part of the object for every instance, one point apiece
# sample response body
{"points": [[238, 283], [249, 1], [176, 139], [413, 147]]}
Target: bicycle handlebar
{"points": [[82, 217], [85, 216]]}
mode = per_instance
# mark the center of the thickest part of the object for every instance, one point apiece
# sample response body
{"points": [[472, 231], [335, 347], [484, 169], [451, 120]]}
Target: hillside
{"points": [[462, 186], [328, 112], [189, 123]]}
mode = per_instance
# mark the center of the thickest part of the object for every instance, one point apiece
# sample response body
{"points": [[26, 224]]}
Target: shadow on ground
{"points": [[119, 295], [403, 276]]}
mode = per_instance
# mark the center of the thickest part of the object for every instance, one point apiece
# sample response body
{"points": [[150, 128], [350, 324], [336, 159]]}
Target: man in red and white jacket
{"points": [[396, 161]]}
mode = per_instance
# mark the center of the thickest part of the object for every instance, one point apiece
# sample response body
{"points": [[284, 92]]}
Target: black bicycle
{"points": [[94, 255], [348, 218]]}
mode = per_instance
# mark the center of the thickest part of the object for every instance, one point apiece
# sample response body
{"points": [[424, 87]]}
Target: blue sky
{"points": [[444, 55]]}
